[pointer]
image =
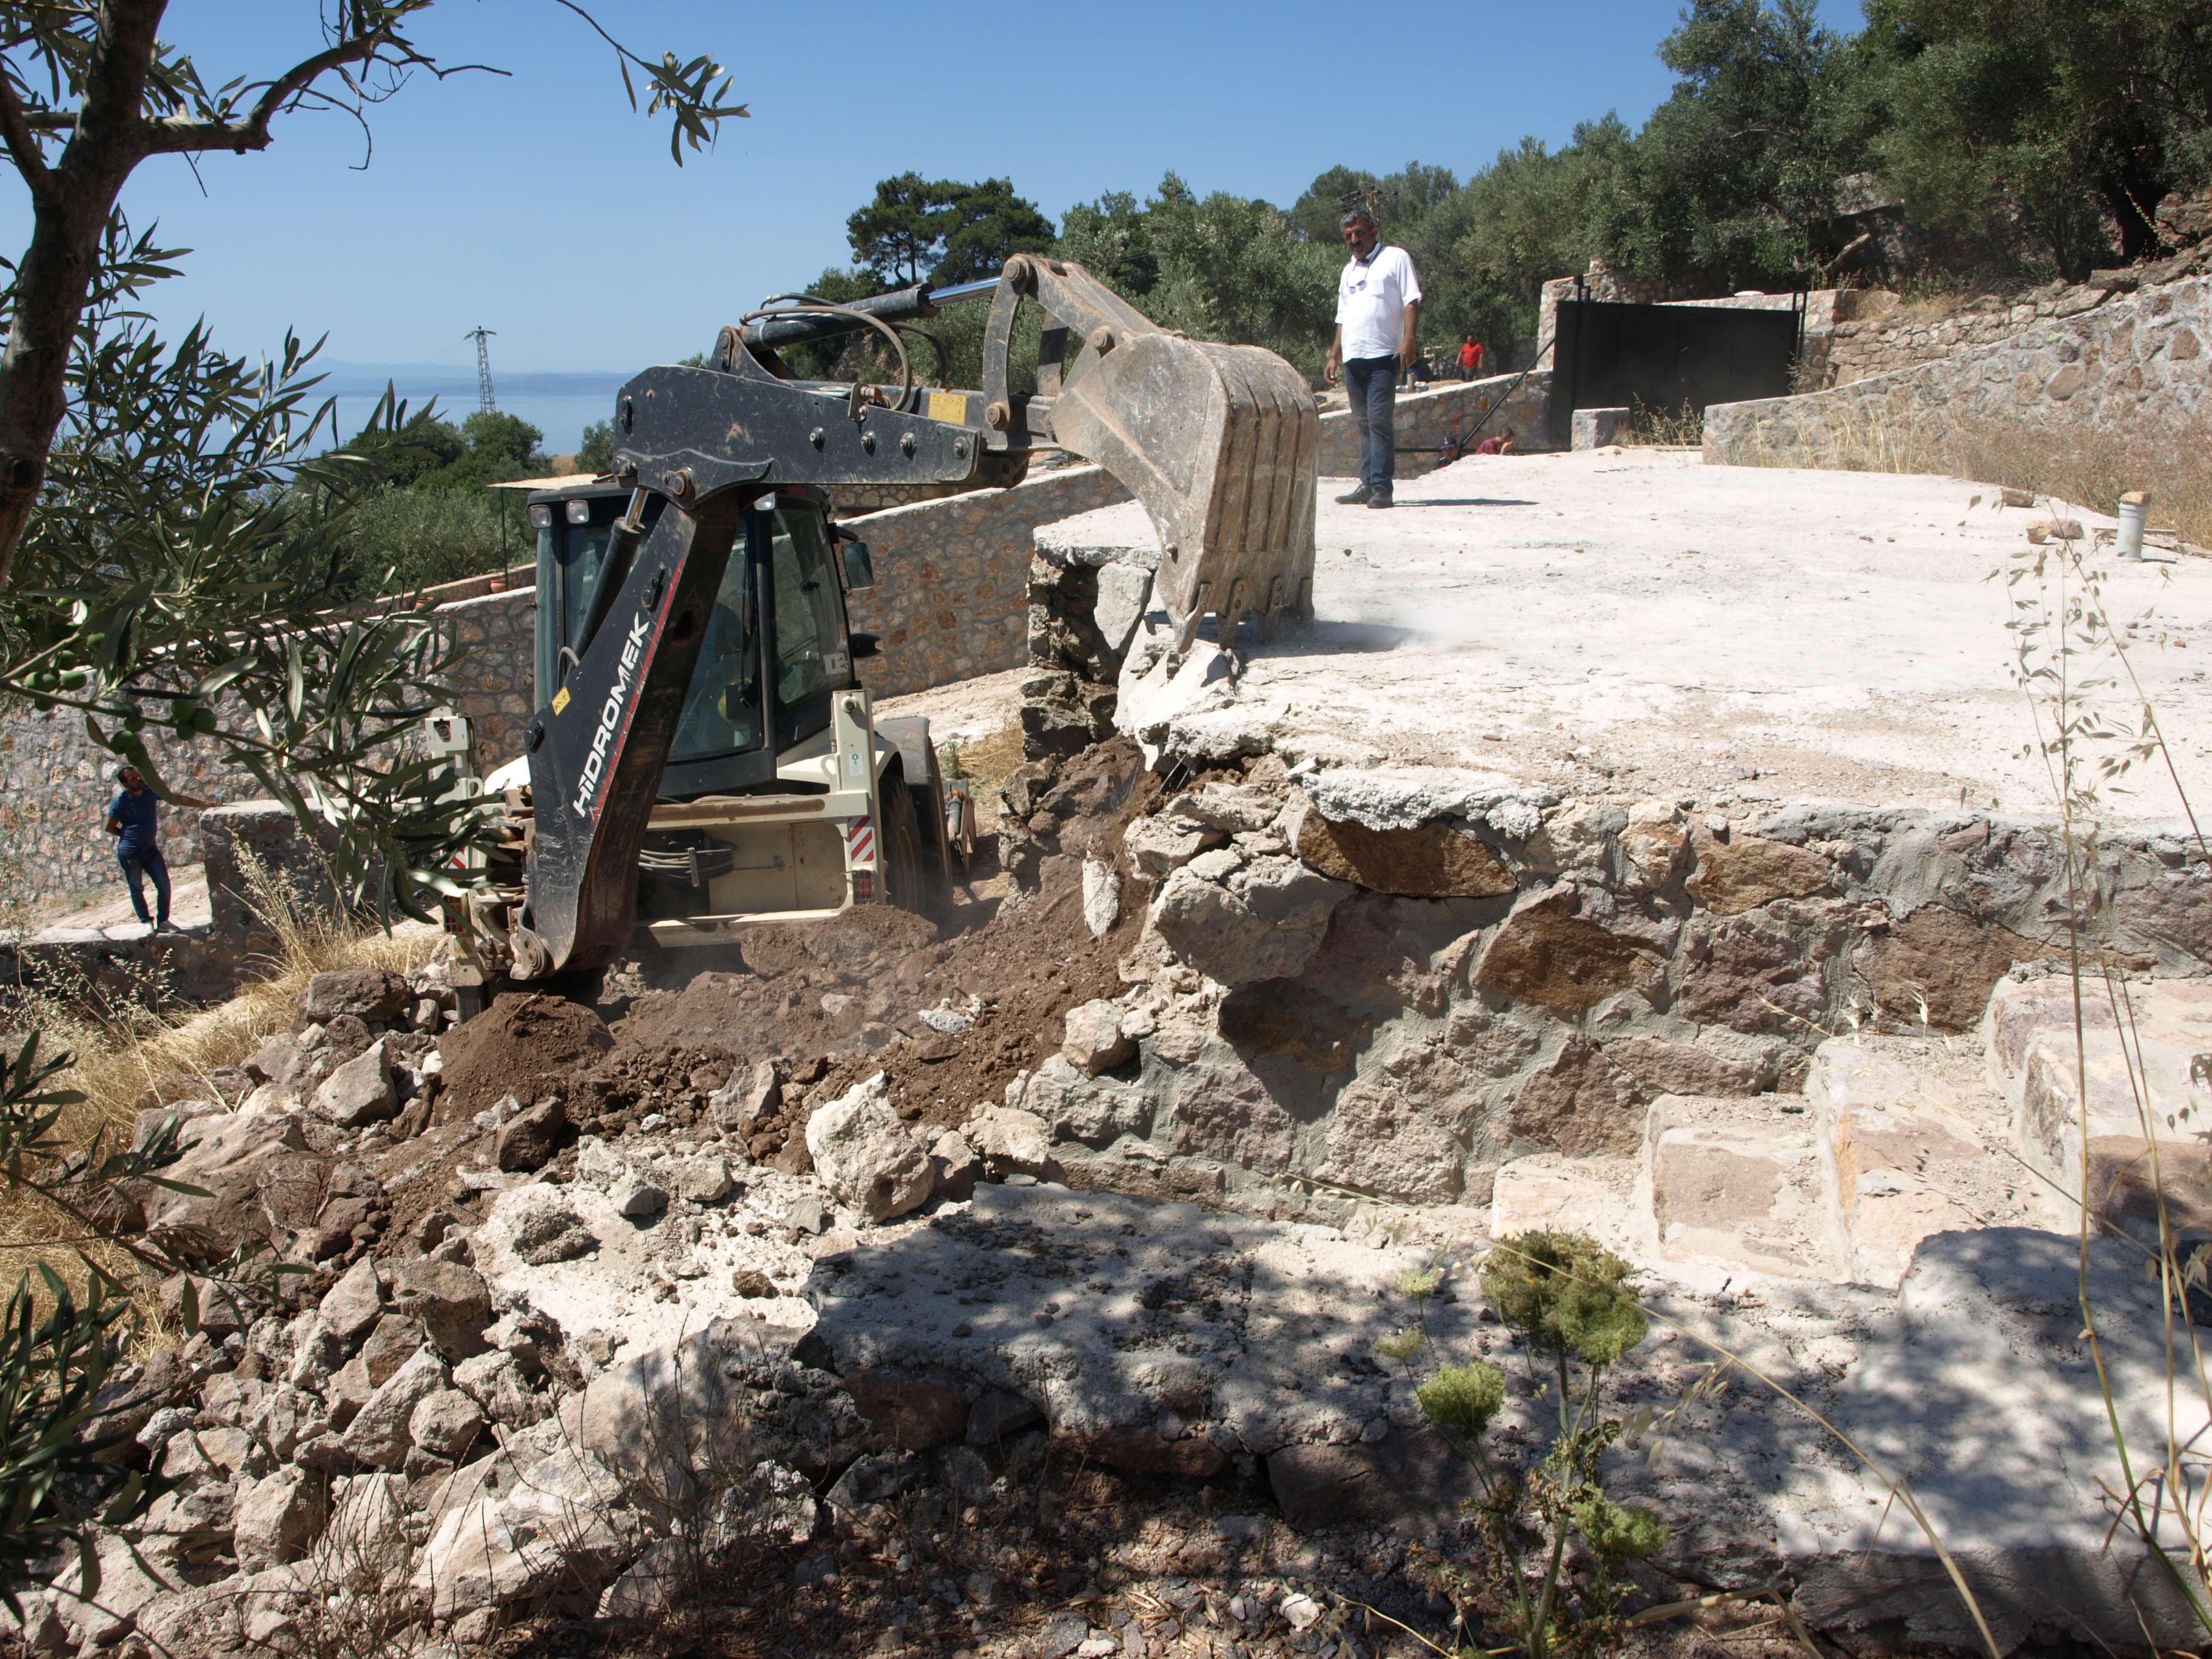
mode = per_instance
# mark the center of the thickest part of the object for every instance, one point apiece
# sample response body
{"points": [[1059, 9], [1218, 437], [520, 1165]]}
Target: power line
{"points": [[485, 402]]}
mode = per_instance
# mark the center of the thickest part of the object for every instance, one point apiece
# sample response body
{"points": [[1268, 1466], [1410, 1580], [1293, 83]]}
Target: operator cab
{"points": [[785, 585]]}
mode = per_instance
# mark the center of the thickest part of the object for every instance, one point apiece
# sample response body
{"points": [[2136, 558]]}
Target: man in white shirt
{"points": [[1378, 318]]}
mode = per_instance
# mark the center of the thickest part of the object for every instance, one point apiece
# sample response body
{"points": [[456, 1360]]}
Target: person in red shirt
{"points": [[1470, 359]]}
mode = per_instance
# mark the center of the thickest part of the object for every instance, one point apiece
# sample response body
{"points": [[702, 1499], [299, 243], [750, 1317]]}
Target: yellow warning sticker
{"points": [[948, 406], [560, 699]]}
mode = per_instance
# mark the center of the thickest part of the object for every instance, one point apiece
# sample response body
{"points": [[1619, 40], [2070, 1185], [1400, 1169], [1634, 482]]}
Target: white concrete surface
{"points": [[1637, 623]]}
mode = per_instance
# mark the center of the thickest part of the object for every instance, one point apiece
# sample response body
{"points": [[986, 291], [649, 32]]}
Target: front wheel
{"points": [[901, 850]]}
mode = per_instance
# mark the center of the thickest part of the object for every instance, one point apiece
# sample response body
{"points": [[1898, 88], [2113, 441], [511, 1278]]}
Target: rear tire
{"points": [[903, 862]]}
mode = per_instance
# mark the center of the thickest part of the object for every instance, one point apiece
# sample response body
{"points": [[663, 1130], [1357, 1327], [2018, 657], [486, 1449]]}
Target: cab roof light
{"points": [[579, 511], [541, 516]]}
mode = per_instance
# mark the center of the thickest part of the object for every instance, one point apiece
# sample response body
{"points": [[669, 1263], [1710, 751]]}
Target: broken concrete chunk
{"points": [[360, 1091], [1013, 1141], [1094, 1040], [1263, 920], [864, 1156], [445, 1424], [448, 1299], [551, 1231], [528, 1140]]}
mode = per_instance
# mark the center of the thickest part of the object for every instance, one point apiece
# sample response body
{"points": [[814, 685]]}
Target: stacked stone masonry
{"points": [[1361, 981], [1507, 405], [2134, 364]]}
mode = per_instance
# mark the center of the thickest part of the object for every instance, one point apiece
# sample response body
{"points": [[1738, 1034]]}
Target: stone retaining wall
{"points": [[1879, 340], [1361, 979], [2133, 362], [1432, 418]]}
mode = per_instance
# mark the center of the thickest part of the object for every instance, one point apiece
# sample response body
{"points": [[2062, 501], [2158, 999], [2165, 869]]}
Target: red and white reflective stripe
{"points": [[860, 841]]}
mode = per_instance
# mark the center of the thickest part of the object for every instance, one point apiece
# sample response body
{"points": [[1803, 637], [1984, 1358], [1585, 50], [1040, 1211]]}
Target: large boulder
{"points": [[561, 1527], [276, 1518], [360, 1091], [1236, 921], [864, 1157], [367, 994], [449, 1298], [378, 1435], [256, 1177]]}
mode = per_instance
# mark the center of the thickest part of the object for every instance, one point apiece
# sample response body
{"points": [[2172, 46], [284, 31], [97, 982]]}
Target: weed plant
{"points": [[1569, 1301]]}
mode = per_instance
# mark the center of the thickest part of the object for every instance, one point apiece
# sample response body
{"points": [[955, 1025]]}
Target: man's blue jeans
{"points": [[1372, 386], [140, 861]]}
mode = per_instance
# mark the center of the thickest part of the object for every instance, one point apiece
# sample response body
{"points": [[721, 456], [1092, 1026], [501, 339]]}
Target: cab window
{"points": [[721, 711], [813, 656]]}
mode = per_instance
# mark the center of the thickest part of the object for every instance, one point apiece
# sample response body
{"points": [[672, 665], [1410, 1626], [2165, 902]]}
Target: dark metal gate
{"points": [[1666, 358]]}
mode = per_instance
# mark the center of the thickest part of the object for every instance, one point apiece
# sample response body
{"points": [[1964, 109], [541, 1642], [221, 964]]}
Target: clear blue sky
{"points": [[538, 206]]}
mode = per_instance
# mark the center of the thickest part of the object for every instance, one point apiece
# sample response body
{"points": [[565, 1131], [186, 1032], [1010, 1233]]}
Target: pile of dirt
{"points": [[788, 992], [833, 1002], [526, 1044]]}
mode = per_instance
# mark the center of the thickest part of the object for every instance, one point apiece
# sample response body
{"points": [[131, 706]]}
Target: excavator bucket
{"points": [[1220, 443]]}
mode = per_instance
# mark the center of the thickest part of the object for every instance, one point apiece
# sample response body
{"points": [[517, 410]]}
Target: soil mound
{"points": [[802, 990], [522, 1045]]}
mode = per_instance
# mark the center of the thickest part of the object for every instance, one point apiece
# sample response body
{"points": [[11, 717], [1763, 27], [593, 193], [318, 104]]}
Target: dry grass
{"points": [[121, 1045], [2089, 468], [988, 762]]}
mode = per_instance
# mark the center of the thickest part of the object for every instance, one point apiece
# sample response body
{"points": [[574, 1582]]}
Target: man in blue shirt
{"points": [[131, 821]]}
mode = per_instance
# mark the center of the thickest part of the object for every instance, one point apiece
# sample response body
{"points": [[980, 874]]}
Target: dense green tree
{"points": [[988, 224], [1110, 239], [943, 231], [596, 453], [1736, 173], [2075, 116]]}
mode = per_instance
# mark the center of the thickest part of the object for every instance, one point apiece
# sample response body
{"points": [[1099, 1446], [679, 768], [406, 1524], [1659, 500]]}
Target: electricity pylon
{"points": [[480, 334]]}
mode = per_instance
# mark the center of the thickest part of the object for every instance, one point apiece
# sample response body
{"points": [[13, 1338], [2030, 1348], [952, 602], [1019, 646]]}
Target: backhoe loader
{"points": [[703, 756]]}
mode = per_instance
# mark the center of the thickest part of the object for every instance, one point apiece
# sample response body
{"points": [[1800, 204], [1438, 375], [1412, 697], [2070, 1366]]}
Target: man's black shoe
{"points": [[1379, 501], [1356, 498]]}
